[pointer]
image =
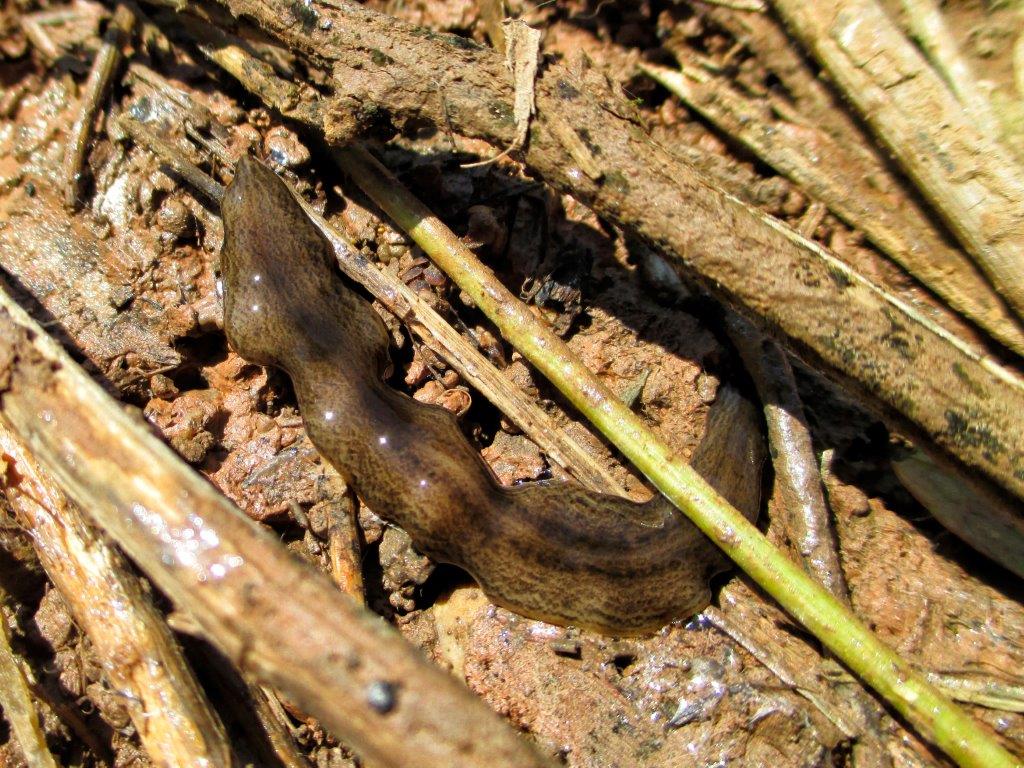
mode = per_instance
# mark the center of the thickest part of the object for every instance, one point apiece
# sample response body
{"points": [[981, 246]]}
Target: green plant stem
{"points": [[934, 716]]}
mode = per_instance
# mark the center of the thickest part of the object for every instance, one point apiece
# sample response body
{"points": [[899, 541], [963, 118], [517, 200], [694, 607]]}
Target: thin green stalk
{"points": [[932, 714]]}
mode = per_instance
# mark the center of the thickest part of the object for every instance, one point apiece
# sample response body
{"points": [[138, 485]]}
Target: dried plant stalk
{"points": [[797, 481], [831, 170], [103, 68], [18, 706], [140, 657], [928, 27], [972, 181], [923, 380], [274, 617]]}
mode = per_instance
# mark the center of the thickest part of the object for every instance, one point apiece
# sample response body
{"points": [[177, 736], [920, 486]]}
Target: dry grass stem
{"points": [[95, 89], [805, 515], [927, 26], [983, 690], [34, 26], [274, 722], [18, 705], [973, 182], [846, 180], [275, 618], [130, 638]]}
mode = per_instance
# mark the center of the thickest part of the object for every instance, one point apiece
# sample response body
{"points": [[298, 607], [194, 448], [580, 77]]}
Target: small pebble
{"points": [[568, 647], [173, 218], [456, 401], [53, 619], [162, 386], [417, 373], [249, 135], [393, 237], [707, 388], [283, 147], [431, 393]]}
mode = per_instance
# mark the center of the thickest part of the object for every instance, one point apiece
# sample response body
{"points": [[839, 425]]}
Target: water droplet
{"points": [[381, 696]]}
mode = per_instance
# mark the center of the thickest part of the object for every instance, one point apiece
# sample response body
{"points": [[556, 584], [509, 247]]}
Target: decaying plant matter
{"points": [[309, 656], [241, 589], [970, 179], [173, 718], [383, 71]]}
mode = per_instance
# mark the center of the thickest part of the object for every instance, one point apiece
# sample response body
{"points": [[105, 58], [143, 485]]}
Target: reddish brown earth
{"points": [[129, 283]]}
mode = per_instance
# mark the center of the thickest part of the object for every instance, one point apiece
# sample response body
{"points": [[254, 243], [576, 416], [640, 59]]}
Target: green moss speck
{"points": [[502, 112], [615, 181], [370, 112]]}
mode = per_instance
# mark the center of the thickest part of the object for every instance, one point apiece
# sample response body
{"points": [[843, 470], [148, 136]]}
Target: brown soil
{"points": [[129, 283]]}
